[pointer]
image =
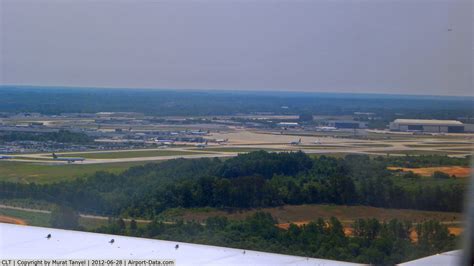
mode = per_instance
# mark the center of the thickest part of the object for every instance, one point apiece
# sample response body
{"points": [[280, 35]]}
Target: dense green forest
{"points": [[56, 100], [371, 241], [62, 136], [257, 179]]}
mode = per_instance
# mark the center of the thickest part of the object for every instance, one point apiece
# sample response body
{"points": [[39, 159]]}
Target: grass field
{"points": [[448, 143], [335, 155], [414, 152], [240, 149], [459, 149], [320, 147], [25, 172], [34, 158], [127, 154], [311, 212], [437, 145], [43, 219], [341, 154], [381, 145]]}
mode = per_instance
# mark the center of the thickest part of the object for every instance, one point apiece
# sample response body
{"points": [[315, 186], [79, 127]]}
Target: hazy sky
{"points": [[408, 47]]}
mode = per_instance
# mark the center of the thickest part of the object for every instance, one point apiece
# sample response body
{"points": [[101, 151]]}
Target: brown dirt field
{"points": [[311, 212], [11, 220], [287, 225], [458, 171], [453, 230], [348, 231]]}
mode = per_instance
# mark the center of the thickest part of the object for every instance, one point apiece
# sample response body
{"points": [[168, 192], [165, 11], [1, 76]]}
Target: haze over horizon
{"points": [[388, 47]]}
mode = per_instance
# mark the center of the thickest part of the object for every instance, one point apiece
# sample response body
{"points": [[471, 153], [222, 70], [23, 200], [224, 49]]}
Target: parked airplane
{"points": [[4, 157], [199, 133], [167, 142], [296, 142], [67, 159], [326, 129], [202, 145], [221, 141]]}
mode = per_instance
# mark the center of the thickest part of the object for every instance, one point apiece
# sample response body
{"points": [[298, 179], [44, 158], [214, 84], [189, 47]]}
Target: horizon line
{"points": [[231, 90]]}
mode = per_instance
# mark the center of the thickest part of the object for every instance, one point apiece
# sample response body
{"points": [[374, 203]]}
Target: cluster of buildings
{"points": [[430, 126], [401, 125]]}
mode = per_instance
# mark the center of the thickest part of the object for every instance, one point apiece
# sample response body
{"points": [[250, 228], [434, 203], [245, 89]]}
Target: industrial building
{"points": [[288, 124], [431, 126], [343, 124]]}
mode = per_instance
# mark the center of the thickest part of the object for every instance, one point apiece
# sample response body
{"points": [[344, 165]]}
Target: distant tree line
{"points": [[257, 179], [371, 241], [62, 136], [56, 100]]}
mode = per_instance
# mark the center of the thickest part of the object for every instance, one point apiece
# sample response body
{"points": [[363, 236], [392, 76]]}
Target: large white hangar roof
{"points": [[28, 242], [428, 122]]}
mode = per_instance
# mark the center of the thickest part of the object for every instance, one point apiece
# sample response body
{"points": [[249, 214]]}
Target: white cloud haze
{"points": [[403, 47]]}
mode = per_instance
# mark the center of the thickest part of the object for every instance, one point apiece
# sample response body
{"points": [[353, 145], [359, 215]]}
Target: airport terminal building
{"points": [[431, 126]]}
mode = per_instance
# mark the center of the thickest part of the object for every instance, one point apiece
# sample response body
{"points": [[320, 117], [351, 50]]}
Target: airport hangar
{"points": [[431, 126]]}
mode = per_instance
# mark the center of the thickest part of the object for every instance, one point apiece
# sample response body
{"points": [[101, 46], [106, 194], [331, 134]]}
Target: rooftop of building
{"points": [[428, 122]]}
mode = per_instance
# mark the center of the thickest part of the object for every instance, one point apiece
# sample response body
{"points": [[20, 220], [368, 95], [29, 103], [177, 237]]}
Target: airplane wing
{"points": [[29, 242], [451, 258]]}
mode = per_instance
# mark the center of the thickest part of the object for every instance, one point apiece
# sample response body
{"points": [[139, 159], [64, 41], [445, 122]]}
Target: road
{"points": [[3, 206]]}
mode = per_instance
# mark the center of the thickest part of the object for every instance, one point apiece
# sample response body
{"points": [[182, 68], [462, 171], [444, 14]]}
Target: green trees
{"points": [[64, 217], [433, 237], [438, 174], [411, 175], [257, 179], [371, 241], [133, 228], [264, 164], [62, 136]]}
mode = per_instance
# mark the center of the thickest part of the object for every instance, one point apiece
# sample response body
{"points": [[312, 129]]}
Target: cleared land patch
{"points": [[30, 218], [11, 220], [311, 212], [458, 171]]}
